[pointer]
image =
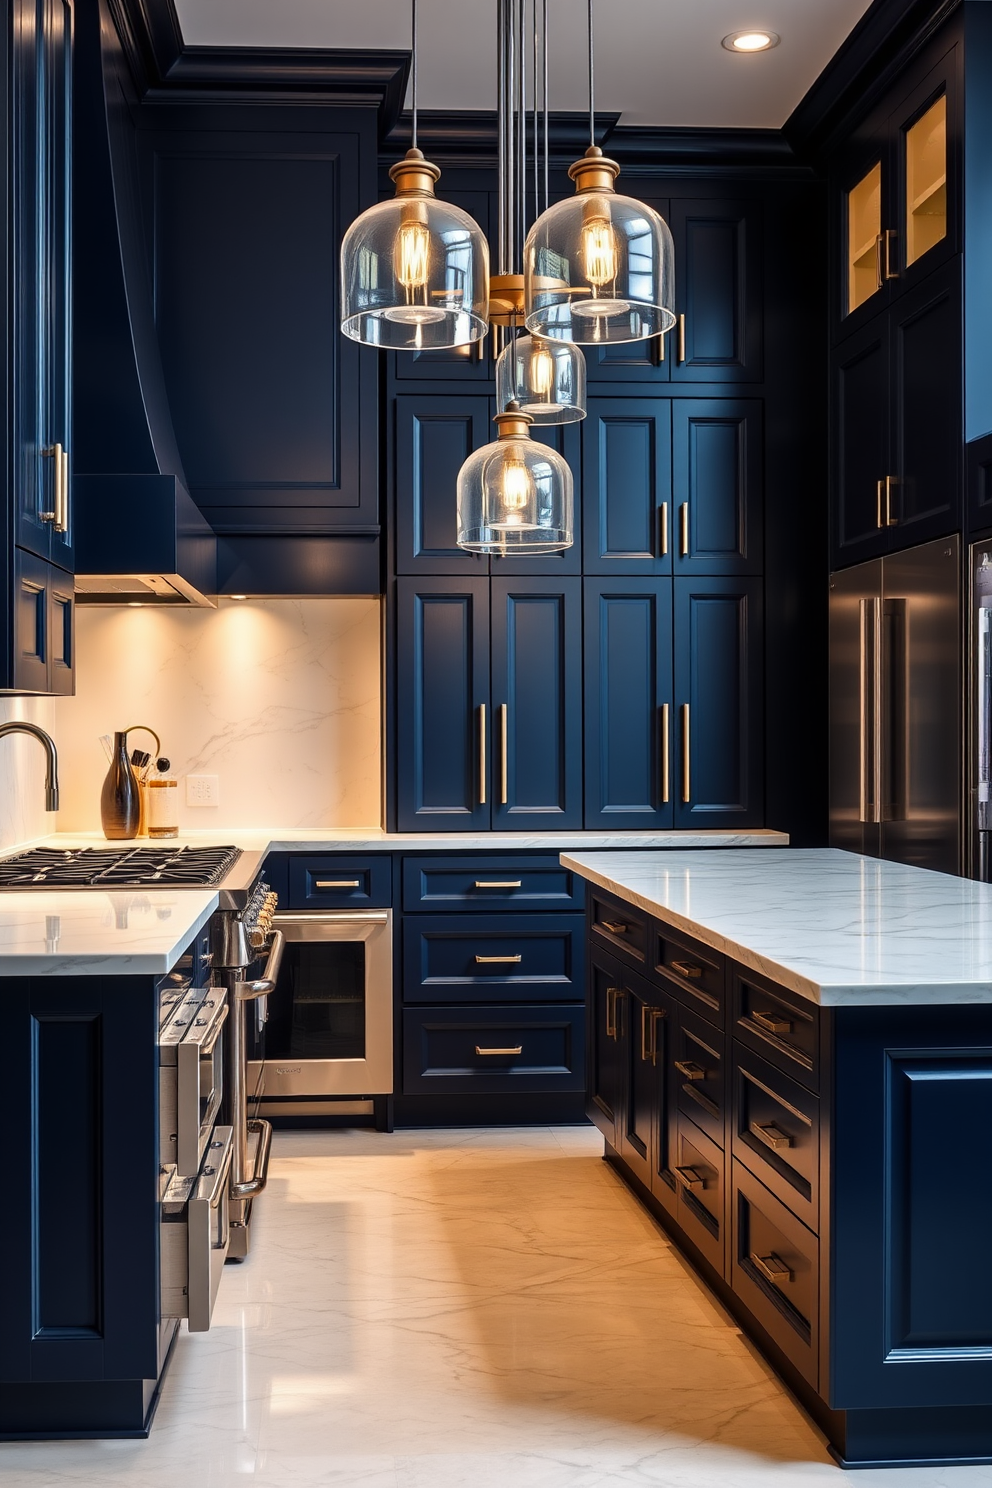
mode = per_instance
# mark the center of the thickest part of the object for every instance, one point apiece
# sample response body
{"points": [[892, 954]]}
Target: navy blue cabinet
{"points": [[488, 704], [275, 413], [898, 425], [628, 704], [434, 434], [719, 703], [627, 486], [536, 688], [717, 451]]}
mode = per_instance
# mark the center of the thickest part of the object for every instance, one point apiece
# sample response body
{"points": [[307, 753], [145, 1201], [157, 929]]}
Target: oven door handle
{"points": [[248, 1188], [362, 917], [249, 991]]}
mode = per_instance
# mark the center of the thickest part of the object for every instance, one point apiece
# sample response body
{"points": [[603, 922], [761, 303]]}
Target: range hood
{"points": [[141, 539]]}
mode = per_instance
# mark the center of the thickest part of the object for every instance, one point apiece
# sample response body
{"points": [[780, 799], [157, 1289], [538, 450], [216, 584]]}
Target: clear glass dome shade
{"points": [[599, 267], [515, 495], [414, 270], [547, 379]]}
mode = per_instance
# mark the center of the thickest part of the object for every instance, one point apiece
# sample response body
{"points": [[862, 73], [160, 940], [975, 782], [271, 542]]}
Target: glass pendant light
{"points": [[515, 495], [414, 270], [547, 378], [598, 267]]}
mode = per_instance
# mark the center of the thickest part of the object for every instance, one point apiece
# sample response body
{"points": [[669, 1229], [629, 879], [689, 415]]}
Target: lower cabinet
{"points": [[493, 1050], [775, 1270]]}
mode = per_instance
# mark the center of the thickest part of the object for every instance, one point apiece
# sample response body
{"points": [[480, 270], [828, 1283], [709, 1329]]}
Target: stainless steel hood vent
{"points": [[142, 540]]}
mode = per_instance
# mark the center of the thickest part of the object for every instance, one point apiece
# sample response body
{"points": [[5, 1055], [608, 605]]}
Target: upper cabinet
{"points": [[897, 194], [718, 301], [36, 626]]}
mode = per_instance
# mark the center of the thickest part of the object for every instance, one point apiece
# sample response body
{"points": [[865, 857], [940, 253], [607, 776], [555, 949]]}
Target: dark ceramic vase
{"points": [[120, 800]]}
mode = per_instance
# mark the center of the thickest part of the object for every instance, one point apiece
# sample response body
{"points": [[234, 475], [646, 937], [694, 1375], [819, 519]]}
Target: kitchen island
{"points": [[790, 1058]]}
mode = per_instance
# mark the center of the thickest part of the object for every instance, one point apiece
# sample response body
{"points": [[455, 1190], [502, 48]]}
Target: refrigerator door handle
{"points": [[871, 707]]}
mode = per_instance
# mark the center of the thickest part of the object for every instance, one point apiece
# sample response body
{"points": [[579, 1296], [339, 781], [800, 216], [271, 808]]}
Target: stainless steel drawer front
{"points": [[196, 1236]]}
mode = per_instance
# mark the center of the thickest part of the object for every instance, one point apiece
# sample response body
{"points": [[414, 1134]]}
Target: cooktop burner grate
{"points": [[114, 867]]}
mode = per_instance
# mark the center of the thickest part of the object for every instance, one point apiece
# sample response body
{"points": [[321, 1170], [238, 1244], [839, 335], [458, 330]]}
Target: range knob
{"points": [[257, 937]]}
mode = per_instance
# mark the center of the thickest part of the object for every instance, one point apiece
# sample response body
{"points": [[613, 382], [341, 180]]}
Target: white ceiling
{"points": [[657, 61]]}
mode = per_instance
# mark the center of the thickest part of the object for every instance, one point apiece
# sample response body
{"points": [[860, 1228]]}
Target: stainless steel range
{"points": [[241, 936]]}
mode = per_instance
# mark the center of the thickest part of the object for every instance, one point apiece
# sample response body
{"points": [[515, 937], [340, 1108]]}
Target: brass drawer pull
{"points": [[666, 769], [773, 1136], [690, 1070], [656, 1015], [663, 517], [772, 1022], [684, 529], [615, 927], [772, 1268], [681, 345], [493, 883], [338, 883], [649, 1032], [498, 960], [613, 996], [687, 969], [482, 754], [518, 1050], [686, 755], [690, 1178]]}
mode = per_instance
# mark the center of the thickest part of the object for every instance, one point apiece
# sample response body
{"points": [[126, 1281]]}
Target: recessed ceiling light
{"points": [[751, 41]]}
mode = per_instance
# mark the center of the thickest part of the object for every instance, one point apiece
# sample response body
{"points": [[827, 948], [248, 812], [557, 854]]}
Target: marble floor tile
{"points": [[461, 1309]]}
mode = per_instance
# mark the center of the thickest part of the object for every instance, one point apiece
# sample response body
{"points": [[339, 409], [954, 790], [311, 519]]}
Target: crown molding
{"points": [[889, 34]]}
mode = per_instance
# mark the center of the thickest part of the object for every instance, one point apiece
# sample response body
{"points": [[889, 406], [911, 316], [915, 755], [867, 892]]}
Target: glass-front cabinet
{"points": [[897, 197]]}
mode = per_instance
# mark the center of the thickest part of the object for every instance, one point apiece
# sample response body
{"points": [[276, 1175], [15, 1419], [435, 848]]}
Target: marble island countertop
{"points": [[93, 932], [835, 927]]}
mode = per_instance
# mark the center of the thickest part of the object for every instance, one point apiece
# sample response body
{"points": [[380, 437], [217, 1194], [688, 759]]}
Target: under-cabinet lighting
{"points": [[751, 41], [237, 596]]}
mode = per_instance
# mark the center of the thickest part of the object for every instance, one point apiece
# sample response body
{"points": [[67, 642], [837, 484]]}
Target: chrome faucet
{"points": [[51, 755]]}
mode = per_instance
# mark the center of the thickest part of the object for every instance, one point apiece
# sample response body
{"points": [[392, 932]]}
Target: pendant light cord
{"points": [[592, 84], [413, 34], [544, 63]]}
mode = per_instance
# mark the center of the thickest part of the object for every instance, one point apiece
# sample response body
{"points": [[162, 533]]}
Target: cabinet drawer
{"points": [[480, 884], [775, 1271], [698, 1072], [779, 1024], [340, 883], [616, 925], [776, 1133], [487, 1050], [699, 1172], [493, 958], [697, 974]]}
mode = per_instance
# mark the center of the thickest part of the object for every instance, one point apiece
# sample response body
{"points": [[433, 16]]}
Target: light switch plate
{"points": [[202, 790]]}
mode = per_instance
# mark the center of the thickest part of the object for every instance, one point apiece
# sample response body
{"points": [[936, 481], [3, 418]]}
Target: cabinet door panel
{"points": [[637, 1110], [718, 290], [537, 703], [442, 731], [926, 399], [627, 486], [717, 475], [719, 700], [61, 633], [628, 691], [603, 1067], [30, 669], [862, 441], [434, 437]]}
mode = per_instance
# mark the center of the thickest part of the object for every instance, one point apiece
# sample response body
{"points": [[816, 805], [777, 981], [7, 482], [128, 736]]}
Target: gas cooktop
{"points": [[117, 867]]}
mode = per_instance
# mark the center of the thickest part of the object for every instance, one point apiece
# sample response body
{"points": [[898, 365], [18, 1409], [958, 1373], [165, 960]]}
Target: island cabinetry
{"points": [[792, 1150]]}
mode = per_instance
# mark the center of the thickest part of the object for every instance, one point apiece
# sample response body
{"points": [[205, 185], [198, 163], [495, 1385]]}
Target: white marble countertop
{"points": [[837, 928], [92, 932]]}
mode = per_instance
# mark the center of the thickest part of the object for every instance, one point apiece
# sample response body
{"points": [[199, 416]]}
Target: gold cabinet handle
{"points": [[773, 1136], [498, 960], [890, 520], [771, 1267], [889, 236], [338, 883], [681, 349], [665, 757], [518, 1049], [684, 529], [690, 1178], [54, 452], [615, 927], [611, 1012], [690, 1069], [656, 1016], [62, 519], [663, 529], [879, 254], [493, 883], [879, 499], [482, 754], [687, 969], [686, 742], [504, 713], [772, 1022]]}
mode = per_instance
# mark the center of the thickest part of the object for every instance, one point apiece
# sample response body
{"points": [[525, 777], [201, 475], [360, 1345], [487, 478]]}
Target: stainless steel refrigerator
{"points": [[897, 707]]}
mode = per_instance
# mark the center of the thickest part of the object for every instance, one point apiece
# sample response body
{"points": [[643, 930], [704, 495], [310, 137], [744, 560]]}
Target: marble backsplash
{"points": [[279, 698]]}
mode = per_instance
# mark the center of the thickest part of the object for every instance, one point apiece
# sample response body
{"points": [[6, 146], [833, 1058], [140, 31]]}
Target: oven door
{"points": [[329, 1030], [196, 1236]]}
